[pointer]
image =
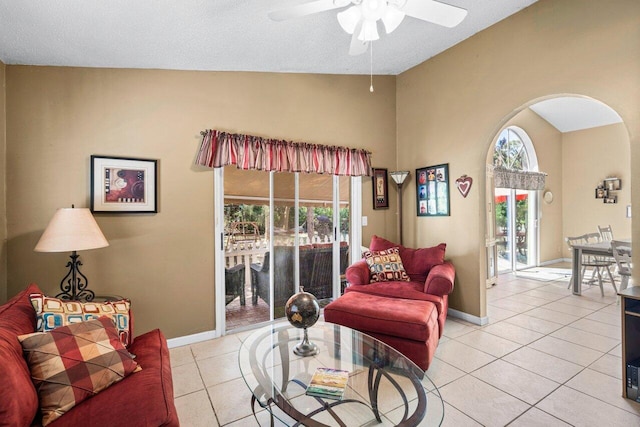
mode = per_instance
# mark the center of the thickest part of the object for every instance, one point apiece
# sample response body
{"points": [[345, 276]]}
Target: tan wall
{"points": [[58, 117], [3, 206], [547, 142], [451, 107], [590, 156]]}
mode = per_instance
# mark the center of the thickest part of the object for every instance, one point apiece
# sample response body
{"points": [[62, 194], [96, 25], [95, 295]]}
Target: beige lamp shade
{"points": [[399, 176], [71, 229]]}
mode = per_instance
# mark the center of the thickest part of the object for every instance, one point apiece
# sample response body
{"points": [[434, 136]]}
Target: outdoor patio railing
{"points": [[250, 252]]}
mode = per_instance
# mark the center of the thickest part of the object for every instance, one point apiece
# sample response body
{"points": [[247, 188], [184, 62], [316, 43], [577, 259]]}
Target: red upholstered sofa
{"points": [[143, 398], [407, 315]]}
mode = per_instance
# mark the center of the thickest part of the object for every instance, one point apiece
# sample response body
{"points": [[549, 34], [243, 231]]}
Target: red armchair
{"points": [[407, 315]]}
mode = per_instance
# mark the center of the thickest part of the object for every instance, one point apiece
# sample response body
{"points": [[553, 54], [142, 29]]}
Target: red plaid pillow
{"points": [[75, 362], [386, 266]]}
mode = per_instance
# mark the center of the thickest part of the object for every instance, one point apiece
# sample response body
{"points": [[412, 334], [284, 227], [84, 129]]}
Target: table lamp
{"points": [[72, 230], [399, 177]]}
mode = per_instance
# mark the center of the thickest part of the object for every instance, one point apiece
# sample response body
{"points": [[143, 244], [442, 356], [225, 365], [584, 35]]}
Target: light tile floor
{"points": [[547, 358]]}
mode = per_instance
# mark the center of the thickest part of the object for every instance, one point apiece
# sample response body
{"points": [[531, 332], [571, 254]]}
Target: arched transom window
{"points": [[510, 151]]}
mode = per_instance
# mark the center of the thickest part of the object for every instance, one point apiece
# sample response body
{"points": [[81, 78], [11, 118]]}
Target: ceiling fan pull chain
{"points": [[371, 66]]}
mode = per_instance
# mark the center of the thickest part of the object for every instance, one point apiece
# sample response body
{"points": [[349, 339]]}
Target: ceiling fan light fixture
{"points": [[369, 31], [348, 19], [372, 10], [392, 19]]}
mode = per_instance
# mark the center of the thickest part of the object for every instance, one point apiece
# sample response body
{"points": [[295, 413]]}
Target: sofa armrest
{"points": [[358, 273], [440, 279]]}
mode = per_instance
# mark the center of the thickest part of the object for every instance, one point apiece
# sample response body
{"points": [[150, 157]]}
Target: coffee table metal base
{"points": [[267, 359]]}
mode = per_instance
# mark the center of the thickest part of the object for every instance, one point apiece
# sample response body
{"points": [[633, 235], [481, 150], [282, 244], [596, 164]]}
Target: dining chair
{"points": [[595, 263], [622, 255], [606, 233]]}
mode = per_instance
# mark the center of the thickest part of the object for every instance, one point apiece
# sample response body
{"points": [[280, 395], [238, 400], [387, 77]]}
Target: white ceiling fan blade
{"points": [[436, 12], [305, 9], [357, 46]]}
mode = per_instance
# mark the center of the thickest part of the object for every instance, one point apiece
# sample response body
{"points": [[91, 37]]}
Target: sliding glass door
{"points": [[280, 232]]}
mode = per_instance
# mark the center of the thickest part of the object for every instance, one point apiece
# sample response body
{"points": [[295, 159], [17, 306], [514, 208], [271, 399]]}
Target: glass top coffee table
{"points": [[383, 387]]}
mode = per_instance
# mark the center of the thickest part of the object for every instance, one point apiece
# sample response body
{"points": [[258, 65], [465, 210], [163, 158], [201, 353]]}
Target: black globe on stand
{"points": [[303, 311]]}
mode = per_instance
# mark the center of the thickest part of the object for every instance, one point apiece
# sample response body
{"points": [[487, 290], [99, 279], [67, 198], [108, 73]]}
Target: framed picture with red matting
{"points": [[123, 185]]}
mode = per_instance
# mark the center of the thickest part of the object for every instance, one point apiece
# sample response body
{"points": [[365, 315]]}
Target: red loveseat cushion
{"points": [[18, 397], [417, 262], [142, 399]]}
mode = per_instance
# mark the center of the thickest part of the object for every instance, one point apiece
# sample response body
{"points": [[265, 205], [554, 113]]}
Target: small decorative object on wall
{"points": [[601, 193], [612, 184], [607, 188], [380, 189], [123, 185], [432, 186], [464, 185]]}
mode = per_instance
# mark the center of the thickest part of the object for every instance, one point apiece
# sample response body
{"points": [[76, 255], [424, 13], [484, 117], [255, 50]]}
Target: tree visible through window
{"points": [[510, 151]]}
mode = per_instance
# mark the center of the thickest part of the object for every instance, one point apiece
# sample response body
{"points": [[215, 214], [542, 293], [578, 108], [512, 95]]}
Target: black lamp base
{"points": [[74, 284]]}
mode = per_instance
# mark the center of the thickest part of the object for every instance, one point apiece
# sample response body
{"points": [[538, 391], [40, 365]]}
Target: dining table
{"points": [[578, 250]]}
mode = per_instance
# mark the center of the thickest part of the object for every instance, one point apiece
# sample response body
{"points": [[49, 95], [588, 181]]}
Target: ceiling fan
{"points": [[361, 17]]}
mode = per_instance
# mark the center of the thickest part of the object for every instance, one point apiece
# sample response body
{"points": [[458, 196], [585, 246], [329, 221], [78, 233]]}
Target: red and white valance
{"points": [[219, 149]]}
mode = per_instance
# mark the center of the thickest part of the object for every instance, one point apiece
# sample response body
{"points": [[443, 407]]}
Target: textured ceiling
{"points": [[237, 35], [219, 35]]}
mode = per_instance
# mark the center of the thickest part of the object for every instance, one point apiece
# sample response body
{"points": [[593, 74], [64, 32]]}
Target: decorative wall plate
{"points": [[464, 185]]}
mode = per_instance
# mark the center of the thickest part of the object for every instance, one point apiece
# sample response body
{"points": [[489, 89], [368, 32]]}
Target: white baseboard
{"points": [[481, 321], [555, 261], [192, 339]]}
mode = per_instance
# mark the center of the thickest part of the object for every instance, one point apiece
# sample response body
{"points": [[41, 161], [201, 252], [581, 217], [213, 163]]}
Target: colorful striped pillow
{"points": [[53, 312], [72, 363], [386, 266]]}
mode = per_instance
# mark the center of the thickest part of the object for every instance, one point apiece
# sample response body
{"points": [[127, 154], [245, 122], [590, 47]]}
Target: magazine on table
{"points": [[328, 383]]}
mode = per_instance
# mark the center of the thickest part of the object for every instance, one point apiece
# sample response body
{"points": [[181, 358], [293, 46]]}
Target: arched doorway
{"points": [[588, 143]]}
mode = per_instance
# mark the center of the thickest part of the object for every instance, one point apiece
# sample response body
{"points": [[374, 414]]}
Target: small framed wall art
{"points": [[612, 184], [432, 186], [123, 185], [380, 189]]}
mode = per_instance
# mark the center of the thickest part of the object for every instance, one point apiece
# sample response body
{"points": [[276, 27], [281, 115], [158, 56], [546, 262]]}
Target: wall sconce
{"points": [[399, 177], [72, 230]]}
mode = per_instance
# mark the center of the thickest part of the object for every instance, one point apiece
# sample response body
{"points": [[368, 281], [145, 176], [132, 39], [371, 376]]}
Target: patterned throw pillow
{"points": [[386, 266], [75, 362], [53, 313]]}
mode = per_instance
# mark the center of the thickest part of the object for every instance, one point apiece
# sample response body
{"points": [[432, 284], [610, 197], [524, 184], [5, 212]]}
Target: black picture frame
{"points": [[380, 184], [612, 184], [124, 185], [432, 191], [601, 193]]}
